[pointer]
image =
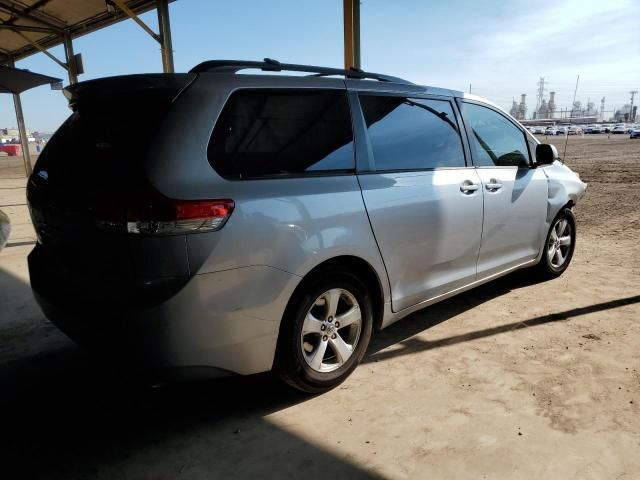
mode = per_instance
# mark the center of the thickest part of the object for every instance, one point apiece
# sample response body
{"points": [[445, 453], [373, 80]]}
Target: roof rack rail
{"points": [[270, 65]]}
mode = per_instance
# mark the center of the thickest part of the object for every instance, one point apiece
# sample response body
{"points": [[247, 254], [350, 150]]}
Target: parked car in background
{"points": [[538, 130], [619, 129], [551, 131], [562, 130], [635, 133], [591, 129], [607, 128], [574, 130], [296, 216]]}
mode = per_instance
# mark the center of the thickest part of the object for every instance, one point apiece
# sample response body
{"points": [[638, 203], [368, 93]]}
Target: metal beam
{"points": [[27, 28], [102, 19], [24, 140], [72, 68], [166, 45], [43, 50], [132, 15], [351, 10], [9, 8]]}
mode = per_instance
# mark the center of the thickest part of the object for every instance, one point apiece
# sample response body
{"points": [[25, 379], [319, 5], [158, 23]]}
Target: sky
{"points": [[499, 48]]}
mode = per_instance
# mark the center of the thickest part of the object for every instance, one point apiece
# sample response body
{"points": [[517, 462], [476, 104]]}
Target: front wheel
{"points": [[559, 245], [325, 332]]}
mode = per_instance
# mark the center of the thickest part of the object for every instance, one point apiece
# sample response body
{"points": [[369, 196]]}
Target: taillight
{"points": [[179, 216], [164, 216]]}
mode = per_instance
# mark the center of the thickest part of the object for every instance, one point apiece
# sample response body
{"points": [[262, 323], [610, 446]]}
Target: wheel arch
{"points": [[359, 267]]}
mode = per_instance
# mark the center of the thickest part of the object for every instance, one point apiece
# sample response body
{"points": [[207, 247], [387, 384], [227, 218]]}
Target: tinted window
{"points": [[494, 139], [282, 132], [101, 147], [412, 134]]}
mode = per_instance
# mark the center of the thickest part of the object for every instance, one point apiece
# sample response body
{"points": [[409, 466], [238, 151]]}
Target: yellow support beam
{"points": [[36, 45], [351, 10], [164, 38], [132, 15]]}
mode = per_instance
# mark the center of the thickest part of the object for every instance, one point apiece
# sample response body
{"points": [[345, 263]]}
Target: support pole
{"points": [[72, 69], [351, 10], [24, 140], [166, 47]]}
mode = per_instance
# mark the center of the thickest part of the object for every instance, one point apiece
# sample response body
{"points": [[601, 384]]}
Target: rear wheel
{"points": [[325, 331], [559, 245]]}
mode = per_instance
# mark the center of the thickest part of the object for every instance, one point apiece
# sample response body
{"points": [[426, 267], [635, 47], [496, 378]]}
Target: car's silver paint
{"points": [[564, 187], [399, 88], [228, 315], [514, 216], [427, 228], [227, 319]]}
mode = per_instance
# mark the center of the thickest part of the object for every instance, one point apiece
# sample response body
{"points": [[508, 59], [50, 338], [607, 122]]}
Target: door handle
{"points": [[493, 185], [468, 187]]}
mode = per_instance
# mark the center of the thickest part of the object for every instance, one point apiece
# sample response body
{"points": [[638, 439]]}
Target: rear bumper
{"points": [[215, 324]]}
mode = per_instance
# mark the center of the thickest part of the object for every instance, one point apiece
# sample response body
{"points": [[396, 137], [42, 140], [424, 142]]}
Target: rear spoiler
{"points": [[105, 89]]}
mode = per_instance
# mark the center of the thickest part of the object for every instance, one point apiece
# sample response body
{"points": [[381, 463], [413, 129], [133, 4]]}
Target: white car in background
{"points": [[620, 128]]}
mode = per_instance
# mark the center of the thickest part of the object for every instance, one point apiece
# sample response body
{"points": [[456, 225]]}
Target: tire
{"points": [[311, 356], [557, 254]]}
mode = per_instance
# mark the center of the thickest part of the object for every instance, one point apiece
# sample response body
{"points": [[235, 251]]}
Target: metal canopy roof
{"points": [[46, 21], [30, 26]]}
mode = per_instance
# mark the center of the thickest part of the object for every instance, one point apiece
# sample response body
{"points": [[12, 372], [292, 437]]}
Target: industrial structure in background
{"points": [[519, 110], [547, 111]]}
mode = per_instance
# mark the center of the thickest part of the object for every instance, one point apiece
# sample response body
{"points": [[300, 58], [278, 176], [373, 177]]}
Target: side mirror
{"points": [[546, 154]]}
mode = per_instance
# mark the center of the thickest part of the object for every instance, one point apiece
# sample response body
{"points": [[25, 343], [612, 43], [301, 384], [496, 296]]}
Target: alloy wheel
{"points": [[331, 330], [559, 244]]}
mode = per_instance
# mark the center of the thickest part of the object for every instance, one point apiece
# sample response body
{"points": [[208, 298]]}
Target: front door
{"points": [[515, 195]]}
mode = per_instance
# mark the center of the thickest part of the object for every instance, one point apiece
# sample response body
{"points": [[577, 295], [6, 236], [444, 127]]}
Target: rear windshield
{"points": [[102, 145], [272, 133]]}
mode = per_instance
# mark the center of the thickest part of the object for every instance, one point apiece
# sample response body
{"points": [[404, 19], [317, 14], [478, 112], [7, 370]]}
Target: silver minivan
{"points": [[212, 223]]}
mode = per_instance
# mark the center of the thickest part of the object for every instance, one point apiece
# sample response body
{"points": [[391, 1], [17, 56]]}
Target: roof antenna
{"points": [[571, 116]]}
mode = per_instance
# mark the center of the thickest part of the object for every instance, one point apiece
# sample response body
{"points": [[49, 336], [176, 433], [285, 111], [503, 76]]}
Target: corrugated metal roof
{"points": [[45, 21]]}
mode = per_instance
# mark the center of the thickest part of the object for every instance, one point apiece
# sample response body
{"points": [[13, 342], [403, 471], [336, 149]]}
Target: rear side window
{"points": [[271, 133], [495, 141], [412, 134]]}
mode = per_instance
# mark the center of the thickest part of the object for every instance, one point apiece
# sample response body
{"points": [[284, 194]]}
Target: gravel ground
{"points": [[510, 380]]}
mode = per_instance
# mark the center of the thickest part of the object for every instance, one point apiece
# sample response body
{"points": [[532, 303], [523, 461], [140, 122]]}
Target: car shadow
{"points": [[402, 334], [65, 414], [435, 314]]}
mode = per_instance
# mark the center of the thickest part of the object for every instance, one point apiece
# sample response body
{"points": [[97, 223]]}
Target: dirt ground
{"points": [[510, 380]]}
